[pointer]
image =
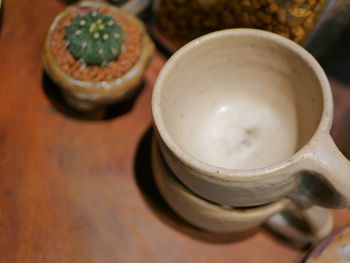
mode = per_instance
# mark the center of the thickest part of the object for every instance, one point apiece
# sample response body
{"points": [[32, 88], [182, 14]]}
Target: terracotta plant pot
{"points": [[90, 94]]}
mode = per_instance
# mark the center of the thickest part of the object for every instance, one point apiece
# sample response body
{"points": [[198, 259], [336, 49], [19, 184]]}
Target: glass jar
{"points": [[332, 26], [179, 21], [330, 41]]}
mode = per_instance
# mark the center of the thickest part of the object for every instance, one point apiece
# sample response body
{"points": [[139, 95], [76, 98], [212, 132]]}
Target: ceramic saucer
{"points": [[202, 213]]}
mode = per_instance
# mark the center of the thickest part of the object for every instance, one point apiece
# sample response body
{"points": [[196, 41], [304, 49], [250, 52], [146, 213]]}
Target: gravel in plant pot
{"points": [[97, 54]]}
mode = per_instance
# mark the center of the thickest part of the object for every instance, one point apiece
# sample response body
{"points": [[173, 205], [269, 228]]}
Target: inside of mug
{"points": [[240, 101]]}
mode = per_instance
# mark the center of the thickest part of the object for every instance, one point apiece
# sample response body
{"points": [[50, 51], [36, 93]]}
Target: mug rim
{"points": [[216, 172]]}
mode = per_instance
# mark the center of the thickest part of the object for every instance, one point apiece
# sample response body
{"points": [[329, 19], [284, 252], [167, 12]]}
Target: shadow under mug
{"points": [[242, 117]]}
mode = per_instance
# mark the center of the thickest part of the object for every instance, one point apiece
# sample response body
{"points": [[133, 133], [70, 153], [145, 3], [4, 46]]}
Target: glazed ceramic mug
{"points": [[242, 117], [279, 216]]}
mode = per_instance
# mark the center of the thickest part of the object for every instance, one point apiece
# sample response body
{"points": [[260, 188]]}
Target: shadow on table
{"points": [[69, 1], [148, 188], [2, 7], [53, 93]]}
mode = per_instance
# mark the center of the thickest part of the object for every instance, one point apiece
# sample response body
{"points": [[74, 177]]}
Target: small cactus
{"points": [[94, 38]]}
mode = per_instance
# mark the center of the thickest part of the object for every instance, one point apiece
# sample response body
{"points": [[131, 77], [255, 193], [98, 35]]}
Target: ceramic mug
{"points": [[316, 222], [242, 117]]}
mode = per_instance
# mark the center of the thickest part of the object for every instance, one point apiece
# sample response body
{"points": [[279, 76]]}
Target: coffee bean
{"points": [[181, 21]]}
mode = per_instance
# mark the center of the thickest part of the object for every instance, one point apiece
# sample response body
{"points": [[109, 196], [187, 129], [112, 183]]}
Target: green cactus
{"points": [[94, 38]]}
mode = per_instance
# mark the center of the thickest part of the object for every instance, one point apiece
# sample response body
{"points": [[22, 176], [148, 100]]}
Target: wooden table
{"points": [[77, 189]]}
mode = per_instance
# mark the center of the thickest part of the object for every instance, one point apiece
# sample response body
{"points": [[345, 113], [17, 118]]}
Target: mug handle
{"points": [[325, 180], [303, 226]]}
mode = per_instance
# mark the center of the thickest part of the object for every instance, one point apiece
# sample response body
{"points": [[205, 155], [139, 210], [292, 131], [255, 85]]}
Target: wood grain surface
{"points": [[78, 188]]}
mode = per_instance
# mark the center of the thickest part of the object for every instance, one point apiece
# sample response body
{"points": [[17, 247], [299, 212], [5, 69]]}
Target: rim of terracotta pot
{"points": [[122, 84]]}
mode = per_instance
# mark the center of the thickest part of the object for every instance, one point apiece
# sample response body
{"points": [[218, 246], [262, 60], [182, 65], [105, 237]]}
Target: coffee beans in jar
{"points": [[179, 21]]}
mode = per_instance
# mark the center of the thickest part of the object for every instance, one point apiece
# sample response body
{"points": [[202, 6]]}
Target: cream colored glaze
{"points": [[200, 212], [236, 68], [215, 218], [237, 125]]}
